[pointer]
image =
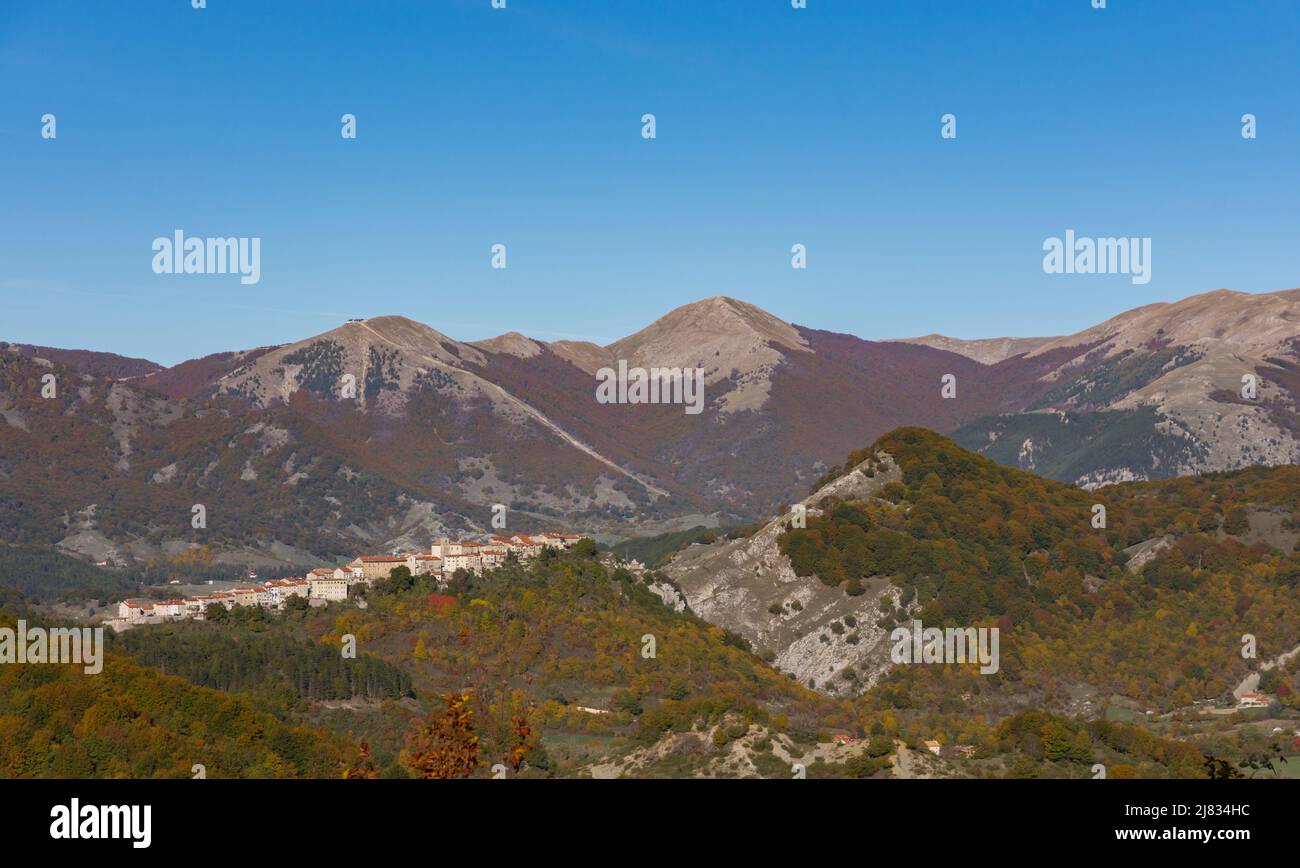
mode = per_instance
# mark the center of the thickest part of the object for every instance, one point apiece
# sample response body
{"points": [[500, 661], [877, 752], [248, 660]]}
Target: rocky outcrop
{"points": [[817, 634]]}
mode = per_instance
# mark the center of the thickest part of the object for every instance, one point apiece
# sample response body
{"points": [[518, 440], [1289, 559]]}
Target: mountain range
{"points": [[383, 432]]}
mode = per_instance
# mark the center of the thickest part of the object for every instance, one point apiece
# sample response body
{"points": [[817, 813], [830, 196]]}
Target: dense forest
{"points": [[1044, 745], [37, 575], [263, 662], [130, 721]]}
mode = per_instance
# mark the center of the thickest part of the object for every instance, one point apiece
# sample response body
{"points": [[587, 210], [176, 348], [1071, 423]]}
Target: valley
{"points": [[767, 653]]}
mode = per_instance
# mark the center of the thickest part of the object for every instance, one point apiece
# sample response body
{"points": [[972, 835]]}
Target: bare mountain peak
{"points": [[715, 319], [393, 349], [511, 343], [723, 315], [728, 338], [393, 329]]}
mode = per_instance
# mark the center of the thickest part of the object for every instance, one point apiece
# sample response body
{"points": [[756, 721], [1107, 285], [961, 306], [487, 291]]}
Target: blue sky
{"points": [[522, 126]]}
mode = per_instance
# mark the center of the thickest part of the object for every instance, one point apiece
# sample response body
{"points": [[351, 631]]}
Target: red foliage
{"points": [[440, 602]]}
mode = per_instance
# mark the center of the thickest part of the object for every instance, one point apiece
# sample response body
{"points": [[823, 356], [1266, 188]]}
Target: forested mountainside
{"points": [[1152, 606]]}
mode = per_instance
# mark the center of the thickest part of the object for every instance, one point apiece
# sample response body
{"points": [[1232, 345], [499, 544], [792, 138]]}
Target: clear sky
{"points": [[522, 126]]}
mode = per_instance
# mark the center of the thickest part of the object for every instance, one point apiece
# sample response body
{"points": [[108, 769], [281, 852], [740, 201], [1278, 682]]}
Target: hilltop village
{"points": [[325, 584]]}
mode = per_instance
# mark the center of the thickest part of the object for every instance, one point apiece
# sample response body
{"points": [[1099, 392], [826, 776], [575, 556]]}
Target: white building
{"points": [[327, 587], [169, 610], [280, 590], [136, 611]]}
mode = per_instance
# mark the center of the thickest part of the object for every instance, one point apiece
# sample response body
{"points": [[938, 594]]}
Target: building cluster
{"points": [[271, 595], [326, 584]]}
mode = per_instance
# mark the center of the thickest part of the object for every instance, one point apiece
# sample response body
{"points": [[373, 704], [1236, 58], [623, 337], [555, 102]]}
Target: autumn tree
{"points": [[523, 740], [363, 768], [445, 745]]}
